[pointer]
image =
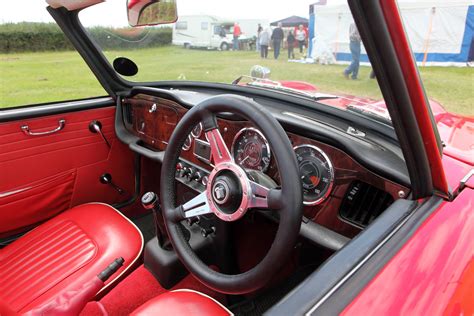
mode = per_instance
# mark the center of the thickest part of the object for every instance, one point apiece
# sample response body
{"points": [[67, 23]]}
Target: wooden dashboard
{"points": [[153, 120]]}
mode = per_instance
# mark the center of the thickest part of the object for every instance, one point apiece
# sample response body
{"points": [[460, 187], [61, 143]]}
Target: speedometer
{"points": [[250, 150], [317, 173]]}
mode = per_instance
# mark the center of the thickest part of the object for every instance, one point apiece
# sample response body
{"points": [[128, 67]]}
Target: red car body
{"points": [[445, 242], [433, 271]]}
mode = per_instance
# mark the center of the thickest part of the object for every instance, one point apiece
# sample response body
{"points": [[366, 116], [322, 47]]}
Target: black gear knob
{"points": [[150, 200]]}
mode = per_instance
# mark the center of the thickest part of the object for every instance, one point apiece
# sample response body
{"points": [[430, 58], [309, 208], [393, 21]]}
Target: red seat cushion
{"points": [[65, 253], [182, 302]]}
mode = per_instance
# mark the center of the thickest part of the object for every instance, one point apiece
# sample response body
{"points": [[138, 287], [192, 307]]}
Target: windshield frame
{"points": [[167, 82], [117, 86]]}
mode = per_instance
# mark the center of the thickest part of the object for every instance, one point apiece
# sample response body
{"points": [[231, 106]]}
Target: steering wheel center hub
{"points": [[221, 192], [228, 192]]}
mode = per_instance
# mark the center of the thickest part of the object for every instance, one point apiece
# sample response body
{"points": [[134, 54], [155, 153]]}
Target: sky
{"points": [[113, 12]]}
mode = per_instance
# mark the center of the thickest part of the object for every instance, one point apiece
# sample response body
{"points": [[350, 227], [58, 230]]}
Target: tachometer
{"points": [[250, 150], [317, 173]]}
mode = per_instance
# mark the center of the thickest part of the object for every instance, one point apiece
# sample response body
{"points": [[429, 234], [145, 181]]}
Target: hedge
{"points": [[34, 37]]}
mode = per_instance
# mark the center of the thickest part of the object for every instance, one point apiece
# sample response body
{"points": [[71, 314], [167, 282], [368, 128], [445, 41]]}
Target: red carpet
{"points": [[139, 287]]}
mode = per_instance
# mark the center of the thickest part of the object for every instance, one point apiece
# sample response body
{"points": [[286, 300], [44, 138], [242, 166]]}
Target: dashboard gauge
{"points": [[187, 143], [197, 131], [317, 173], [250, 150]]}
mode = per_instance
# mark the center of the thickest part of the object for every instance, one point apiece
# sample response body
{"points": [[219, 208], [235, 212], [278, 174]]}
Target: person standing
{"points": [[301, 38], [259, 31], [264, 42], [237, 33], [277, 38], [354, 37], [291, 45], [222, 32]]}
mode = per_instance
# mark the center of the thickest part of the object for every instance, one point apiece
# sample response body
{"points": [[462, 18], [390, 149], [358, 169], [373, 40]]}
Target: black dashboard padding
{"points": [[122, 134], [316, 233], [291, 203], [323, 236], [156, 156]]}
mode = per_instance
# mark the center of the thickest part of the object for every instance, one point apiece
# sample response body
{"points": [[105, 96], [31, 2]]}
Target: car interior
{"points": [[223, 197]]}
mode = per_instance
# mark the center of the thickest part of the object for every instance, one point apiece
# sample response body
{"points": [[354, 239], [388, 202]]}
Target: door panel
{"points": [[73, 156], [37, 201]]}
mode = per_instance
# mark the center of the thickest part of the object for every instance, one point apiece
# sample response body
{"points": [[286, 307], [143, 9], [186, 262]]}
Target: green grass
{"points": [[43, 77]]}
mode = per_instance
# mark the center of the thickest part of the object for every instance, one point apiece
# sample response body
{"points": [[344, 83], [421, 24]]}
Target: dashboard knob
{"points": [[196, 176], [194, 220], [190, 173], [186, 171], [208, 231]]}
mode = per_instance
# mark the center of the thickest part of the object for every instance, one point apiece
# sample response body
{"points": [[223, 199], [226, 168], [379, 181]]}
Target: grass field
{"points": [[44, 77]]}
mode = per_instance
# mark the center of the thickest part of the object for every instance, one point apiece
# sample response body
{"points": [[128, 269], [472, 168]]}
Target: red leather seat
{"points": [[64, 253], [182, 302]]}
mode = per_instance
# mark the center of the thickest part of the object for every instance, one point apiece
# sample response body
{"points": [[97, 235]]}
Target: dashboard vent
{"points": [[363, 203]]}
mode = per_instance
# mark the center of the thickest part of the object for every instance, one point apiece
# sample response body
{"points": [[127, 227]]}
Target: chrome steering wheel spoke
{"points": [[264, 198], [219, 151], [259, 195], [196, 207]]}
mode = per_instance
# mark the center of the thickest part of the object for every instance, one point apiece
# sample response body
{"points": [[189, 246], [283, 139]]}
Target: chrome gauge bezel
{"points": [[267, 145], [187, 147], [331, 173], [197, 135]]}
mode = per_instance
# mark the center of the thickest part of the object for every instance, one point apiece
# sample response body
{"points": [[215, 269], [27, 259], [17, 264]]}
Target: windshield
{"points": [[314, 59], [307, 48]]}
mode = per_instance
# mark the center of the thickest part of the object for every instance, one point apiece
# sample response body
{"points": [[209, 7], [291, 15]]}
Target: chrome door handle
{"points": [[27, 131]]}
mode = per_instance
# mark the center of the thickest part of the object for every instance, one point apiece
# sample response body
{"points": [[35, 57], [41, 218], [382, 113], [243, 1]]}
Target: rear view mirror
{"points": [[151, 12]]}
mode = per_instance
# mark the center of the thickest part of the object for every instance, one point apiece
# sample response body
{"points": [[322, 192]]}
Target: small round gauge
{"points": [[197, 131], [187, 143], [250, 150], [317, 173]]}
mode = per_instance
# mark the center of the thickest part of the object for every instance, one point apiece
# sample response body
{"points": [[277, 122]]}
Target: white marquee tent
{"points": [[440, 31]]}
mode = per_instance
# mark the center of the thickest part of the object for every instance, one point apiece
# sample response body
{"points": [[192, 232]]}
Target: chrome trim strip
{"points": [[39, 110], [466, 178], [5, 194]]}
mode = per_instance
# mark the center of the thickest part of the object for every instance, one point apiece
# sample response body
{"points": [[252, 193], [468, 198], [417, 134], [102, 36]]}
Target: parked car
{"points": [[211, 198]]}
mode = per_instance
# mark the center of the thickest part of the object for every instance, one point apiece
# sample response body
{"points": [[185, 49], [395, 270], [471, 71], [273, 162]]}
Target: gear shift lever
{"points": [[150, 201]]}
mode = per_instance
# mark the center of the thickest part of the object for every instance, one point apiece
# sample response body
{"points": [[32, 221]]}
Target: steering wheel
{"points": [[230, 194]]}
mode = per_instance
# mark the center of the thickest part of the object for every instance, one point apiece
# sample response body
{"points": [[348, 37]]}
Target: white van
{"points": [[203, 31]]}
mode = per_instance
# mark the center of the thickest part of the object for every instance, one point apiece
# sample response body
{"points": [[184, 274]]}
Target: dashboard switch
{"points": [[194, 220], [196, 176], [208, 231], [185, 172]]}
